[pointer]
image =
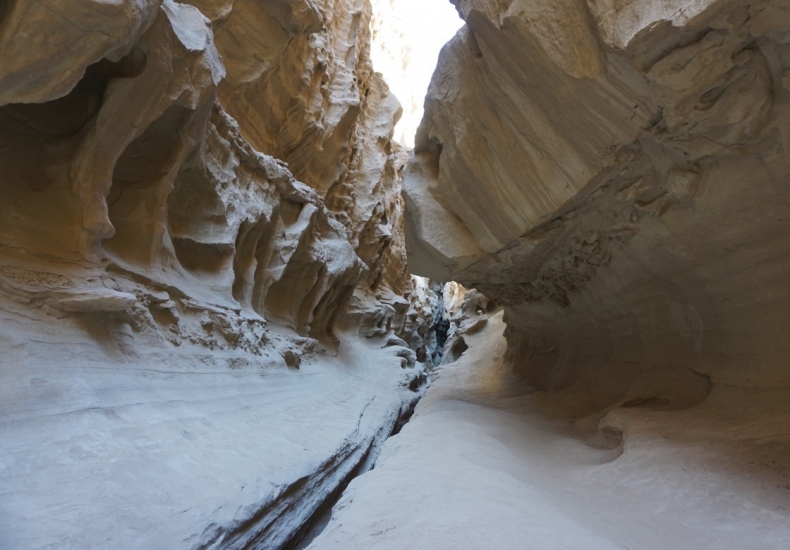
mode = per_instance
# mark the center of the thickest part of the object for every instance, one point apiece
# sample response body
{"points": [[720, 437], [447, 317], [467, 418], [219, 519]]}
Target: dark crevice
{"points": [[418, 382], [59, 118], [458, 349], [5, 6], [440, 327], [139, 183], [316, 524], [323, 514], [404, 418]]}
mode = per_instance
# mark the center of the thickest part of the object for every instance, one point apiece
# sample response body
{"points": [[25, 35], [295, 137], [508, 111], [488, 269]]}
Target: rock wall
{"points": [[615, 175], [200, 220], [143, 170]]}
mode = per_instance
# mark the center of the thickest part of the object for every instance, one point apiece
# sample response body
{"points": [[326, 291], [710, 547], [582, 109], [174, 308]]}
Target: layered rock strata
{"points": [[200, 221], [615, 174]]}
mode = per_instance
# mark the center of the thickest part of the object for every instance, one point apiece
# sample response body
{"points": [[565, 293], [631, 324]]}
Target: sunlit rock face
{"points": [[615, 174], [199, 212], [137, 172], [301, 85]]}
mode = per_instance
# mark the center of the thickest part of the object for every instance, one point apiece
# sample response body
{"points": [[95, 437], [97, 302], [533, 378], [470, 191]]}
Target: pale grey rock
{"points": [[488, 462], [613, 173], [171, 296]]}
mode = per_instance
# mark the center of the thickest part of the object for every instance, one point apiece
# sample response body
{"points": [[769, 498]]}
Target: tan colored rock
{"points": [[300, 83], [36, 34], [175, 282], [615, 174], [297, 77], [127, 168], [68, 153]]}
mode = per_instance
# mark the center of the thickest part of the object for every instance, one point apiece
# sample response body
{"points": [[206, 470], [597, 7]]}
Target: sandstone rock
{"points": [[174, 282], [327, 114], [185, 195], [614, 174], [35, 35], [488, 462], [96, 302]]}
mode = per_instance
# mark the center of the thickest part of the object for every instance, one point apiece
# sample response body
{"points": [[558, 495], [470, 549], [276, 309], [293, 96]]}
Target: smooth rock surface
{"points": [[488, 462], [134, 445], [207, 322], [614, 173]]}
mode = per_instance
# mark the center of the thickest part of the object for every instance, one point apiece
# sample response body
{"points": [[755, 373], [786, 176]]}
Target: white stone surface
{"points": [[146, 446], [174, 373], [487, 463]]}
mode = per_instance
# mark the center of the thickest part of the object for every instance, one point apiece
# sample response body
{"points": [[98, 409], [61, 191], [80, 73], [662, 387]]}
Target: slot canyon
{"points": [[265, 283]]}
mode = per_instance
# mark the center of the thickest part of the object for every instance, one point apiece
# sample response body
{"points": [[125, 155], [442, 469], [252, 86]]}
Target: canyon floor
{"points": [[225, 282], [481, 465], [138, 447]]}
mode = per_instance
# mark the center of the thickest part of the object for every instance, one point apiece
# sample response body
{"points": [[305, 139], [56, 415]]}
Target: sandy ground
{"points": [[482, 466]]}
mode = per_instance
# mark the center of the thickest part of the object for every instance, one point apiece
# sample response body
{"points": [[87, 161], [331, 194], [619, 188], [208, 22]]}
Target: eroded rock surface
{"points": [[488, 462], [200, 247], [615, 174]]}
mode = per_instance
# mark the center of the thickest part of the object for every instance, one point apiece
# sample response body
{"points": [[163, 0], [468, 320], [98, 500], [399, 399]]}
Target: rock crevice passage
{"points": [[488, 461], [209, 324], [613, 175], [203, 278]]}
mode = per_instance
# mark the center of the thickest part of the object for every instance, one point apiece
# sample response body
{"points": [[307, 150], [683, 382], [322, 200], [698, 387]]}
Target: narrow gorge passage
{"points": [[489, 462], [613, 176], [208, 324], [241, 245]]}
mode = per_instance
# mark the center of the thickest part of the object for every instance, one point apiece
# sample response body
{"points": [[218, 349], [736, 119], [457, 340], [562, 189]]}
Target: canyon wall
{"points": [[129, 159], [615, 175], [200, 242], [612, 179]]}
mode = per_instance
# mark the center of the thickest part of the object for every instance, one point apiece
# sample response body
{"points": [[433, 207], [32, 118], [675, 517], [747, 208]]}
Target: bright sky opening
{"points": [[407, 38]]}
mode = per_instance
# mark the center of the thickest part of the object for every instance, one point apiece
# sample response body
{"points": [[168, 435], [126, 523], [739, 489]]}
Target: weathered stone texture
{"points": [[615, 174], [204, 194]]}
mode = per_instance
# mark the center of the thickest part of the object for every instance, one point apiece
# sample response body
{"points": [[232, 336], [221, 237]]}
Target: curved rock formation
{"points": [[482, 465], [200, 223], [208, 323], [614, 174], [140, 175]]}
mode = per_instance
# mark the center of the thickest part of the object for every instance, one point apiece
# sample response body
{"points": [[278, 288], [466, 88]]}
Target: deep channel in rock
{"points": [[613, 176], [208, 324], [213, 316]]}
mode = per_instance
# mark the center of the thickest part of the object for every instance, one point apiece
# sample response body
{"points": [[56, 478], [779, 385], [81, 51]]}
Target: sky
{"points": [[407, 38]]}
